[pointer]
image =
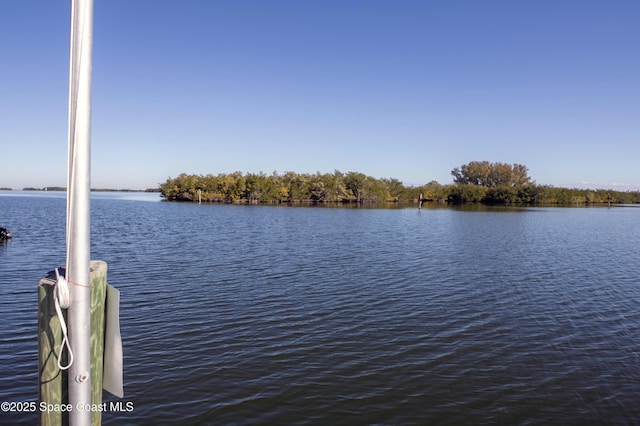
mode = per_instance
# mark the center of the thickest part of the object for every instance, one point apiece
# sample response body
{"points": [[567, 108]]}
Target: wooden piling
{"points": [[53, 382]]}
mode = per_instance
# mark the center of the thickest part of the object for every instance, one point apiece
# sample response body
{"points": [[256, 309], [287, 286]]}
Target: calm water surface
{"points": [[281, 315]]}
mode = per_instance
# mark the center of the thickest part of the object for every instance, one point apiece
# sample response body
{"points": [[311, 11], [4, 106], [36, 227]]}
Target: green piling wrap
{"points": [[53, 382]]}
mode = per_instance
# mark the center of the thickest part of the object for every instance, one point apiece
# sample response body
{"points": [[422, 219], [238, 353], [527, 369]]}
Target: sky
{"points": [[393, 89]]}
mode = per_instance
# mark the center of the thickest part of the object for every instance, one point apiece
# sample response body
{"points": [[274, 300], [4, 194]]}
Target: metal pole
{"points": [[78, 210]]}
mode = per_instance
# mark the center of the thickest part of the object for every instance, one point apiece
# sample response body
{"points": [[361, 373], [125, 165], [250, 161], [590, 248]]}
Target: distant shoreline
{"points": [[498, 187], [62, 189]]}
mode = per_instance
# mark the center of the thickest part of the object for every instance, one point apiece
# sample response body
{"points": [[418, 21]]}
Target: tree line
{"points": [[336, 187], [475, 182]]}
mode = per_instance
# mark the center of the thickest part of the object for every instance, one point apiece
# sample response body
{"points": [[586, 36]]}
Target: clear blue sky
{"points": [[404, 89]]}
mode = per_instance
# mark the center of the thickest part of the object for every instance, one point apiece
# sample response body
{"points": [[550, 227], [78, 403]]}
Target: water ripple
{"points": [[243, 315]]}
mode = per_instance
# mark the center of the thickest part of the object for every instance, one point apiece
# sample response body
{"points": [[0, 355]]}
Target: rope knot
{"points": [[63, 300]]}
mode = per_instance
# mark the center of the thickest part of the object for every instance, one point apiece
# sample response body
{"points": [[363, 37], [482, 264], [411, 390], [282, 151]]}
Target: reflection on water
{"points": [[266, 314]]}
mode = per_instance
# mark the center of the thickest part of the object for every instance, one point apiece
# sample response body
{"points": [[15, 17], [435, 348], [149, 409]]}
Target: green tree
{"points": [[394, 188], [465, 193], [255, 187], [334, 182], [502, 194], [318, 191], [231, 186], [295, 186], [483, 173], [354, 182]]}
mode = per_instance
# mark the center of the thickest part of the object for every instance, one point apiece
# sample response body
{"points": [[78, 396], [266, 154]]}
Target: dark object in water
{"points": [[5, 234]]}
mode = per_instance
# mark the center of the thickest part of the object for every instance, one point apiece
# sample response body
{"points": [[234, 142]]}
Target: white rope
{"points": [[63, 300]]}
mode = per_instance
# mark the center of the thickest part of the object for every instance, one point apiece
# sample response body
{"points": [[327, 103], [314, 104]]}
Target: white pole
{"points": [[78, 210]]}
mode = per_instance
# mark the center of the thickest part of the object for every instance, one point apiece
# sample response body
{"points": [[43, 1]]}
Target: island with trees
{"points": [[476, 182]]}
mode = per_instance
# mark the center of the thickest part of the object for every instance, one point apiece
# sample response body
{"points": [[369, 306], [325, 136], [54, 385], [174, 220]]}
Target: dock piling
{"points": [[53, 382]]}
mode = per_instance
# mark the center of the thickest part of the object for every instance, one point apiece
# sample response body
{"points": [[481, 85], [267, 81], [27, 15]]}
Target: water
{"points": [[281, 315]]}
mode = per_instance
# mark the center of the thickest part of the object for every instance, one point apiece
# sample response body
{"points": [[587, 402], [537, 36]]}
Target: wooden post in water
{"points": [[53, 381]]}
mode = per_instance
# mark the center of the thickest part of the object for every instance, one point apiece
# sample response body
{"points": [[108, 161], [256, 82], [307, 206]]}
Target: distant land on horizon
{"points": [[63, 189]]}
